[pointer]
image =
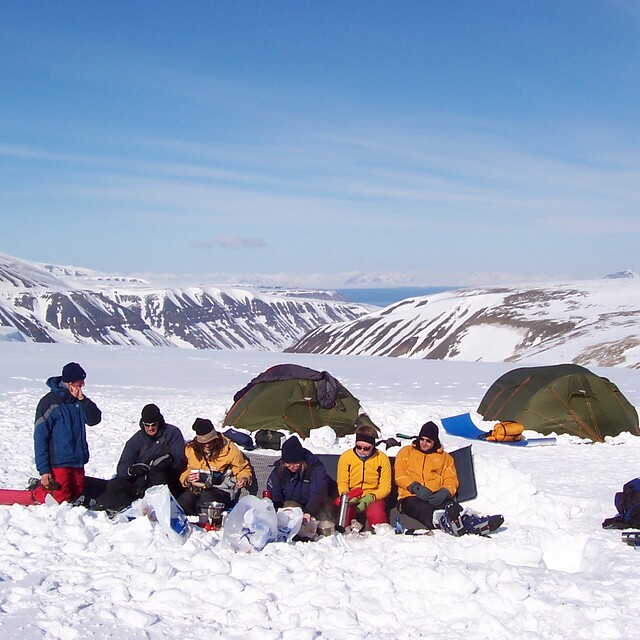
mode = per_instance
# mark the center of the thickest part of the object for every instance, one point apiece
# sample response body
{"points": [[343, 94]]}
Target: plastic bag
{"points": [[251, 524], [289, 522], [162, 509]]}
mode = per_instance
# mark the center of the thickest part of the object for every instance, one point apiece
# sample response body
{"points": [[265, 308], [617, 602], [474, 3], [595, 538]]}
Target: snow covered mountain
{"points": [[50, 303], [589, 323]]}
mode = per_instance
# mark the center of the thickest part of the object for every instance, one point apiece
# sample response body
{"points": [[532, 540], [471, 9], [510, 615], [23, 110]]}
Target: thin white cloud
{"points": [[355, 279], [391, 176], [240, 242]]}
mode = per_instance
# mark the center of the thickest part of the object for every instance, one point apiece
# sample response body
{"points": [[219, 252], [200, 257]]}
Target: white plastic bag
{"points": [[289, 523], [251, 524], [159, 505]]}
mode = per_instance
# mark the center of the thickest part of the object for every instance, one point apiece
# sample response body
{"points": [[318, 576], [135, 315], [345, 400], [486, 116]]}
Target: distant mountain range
{"points": [[593, 323], [51, 303]]}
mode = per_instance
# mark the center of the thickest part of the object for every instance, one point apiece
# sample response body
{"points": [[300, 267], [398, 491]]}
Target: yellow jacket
{"points": [[433, 470], [373, 475], [230, 457]]}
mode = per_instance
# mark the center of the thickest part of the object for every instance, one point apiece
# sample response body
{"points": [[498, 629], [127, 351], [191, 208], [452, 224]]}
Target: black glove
{"points": [[420, 491], [161, 462], [439, 497], [138, 469]]}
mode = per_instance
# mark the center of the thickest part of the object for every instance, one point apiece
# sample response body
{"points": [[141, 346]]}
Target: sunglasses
{"points": [[150, 424], [423, 439], [365, 448]]}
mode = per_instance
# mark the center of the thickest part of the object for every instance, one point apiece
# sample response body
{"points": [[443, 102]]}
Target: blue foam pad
{"points": [[464, 427]]}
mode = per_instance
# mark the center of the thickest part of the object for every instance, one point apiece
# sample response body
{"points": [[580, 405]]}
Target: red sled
{"points": [[93, 487], [17, 496]]}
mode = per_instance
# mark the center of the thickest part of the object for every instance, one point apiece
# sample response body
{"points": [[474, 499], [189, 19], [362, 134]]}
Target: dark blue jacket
{"points": [[309, 490], [59, 436], [144, 448]]}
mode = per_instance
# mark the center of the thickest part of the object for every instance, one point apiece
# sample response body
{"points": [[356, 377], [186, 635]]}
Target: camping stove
{"points": [[211, 514]]}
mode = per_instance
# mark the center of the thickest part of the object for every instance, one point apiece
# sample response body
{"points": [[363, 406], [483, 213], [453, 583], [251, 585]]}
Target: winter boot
{"points": [[451, 520], [481, 525]]}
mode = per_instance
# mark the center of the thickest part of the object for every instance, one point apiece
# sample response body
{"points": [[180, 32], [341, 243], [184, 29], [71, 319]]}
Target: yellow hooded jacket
{"points": [[433, 470], [372, 475], [230, 457]]}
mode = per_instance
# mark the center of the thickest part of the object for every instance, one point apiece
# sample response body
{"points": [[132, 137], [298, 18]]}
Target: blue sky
{"points": [[323, 143]]}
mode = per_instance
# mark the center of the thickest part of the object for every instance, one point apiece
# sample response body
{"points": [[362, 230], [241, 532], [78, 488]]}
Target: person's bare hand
{"points": [[45, 479], [76, 390], [243, 482]]}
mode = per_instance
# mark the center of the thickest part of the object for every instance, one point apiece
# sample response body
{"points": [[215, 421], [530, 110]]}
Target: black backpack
{"points": [[627, 502], [267, 439]]}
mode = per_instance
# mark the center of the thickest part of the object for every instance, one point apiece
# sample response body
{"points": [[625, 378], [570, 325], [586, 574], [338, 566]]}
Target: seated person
{"points": [[216, 469], [299, 479], [154, 455], [425, 475], [364, 473]]}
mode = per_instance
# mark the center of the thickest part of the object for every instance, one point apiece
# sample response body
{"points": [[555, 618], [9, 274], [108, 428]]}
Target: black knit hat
{"points": [[292, 450], [430, 430], [205, 431], [151, 415], [72, 372]]}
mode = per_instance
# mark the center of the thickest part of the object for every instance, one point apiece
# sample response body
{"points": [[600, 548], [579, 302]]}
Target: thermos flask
{"points": [[342, 517]]}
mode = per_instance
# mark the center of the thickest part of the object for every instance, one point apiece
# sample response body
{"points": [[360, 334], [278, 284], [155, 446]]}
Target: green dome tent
{"points": [[564, 398], [289, 396]]}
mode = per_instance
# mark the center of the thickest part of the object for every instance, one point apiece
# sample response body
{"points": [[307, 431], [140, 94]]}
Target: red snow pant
{"points": [[376, 513], [71, 481]]}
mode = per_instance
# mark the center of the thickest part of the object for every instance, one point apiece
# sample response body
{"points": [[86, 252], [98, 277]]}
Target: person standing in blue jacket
{"points": [[60, 438], [153, 455], [300, 479]]}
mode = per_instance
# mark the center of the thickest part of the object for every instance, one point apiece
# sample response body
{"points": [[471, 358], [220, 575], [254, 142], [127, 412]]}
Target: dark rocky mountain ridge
{"points": [[50, 303], [589, 323]]}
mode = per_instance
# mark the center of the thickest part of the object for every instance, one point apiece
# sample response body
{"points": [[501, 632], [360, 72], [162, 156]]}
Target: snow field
{"points": [[550, 572]]}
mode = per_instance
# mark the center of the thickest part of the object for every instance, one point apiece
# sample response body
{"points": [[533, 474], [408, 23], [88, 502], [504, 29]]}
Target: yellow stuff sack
{"points": [[505, 431]]}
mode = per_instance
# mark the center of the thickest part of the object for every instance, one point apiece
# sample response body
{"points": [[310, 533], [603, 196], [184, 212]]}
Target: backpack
{"points": [[242, 439], [627, 502], [505, 431], [267, 439]]}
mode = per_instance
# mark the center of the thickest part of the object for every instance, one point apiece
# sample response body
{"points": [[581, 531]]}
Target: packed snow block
{"points": [[262, 466]]}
